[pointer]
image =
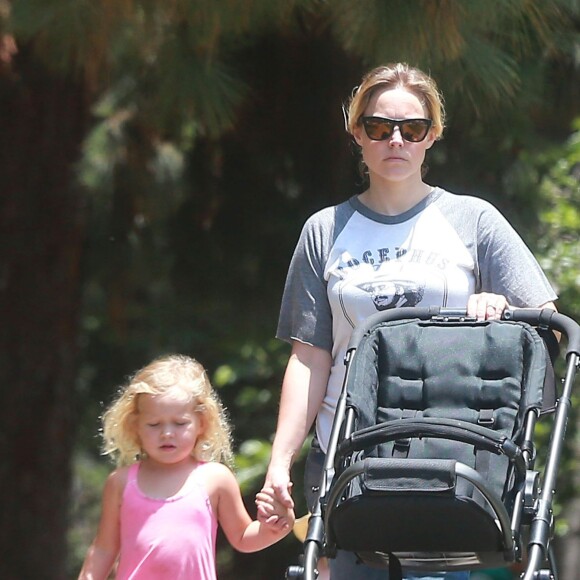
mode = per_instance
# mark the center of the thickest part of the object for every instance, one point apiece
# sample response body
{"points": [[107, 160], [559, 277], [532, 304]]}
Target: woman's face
{"points": [[394, 159]]}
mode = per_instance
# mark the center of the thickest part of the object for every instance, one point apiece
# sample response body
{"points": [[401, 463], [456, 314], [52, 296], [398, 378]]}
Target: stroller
{"points": [[431, 459]]}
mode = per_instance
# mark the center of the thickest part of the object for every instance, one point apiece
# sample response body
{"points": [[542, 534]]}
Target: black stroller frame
{"points": [[418, 481]]}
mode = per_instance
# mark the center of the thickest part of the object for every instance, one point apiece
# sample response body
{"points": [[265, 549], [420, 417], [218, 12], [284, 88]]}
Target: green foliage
{"points": [[550, 182], [547, 184], [559, 253], [88, 481], [483, 48], [558, 240]]}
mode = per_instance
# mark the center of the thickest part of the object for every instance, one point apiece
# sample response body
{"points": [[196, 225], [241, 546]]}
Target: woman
{"points": [[402, 242]]}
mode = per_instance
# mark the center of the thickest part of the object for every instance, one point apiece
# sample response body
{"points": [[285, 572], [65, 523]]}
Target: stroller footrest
{"points": [[413, 522], [390, 505]]}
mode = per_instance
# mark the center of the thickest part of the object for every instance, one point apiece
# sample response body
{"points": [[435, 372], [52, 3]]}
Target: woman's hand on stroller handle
{"points": [[486, 306], [489, 306]]}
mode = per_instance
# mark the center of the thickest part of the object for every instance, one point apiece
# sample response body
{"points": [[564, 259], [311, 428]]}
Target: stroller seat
{"points": [[413, 374], [430, 464]]}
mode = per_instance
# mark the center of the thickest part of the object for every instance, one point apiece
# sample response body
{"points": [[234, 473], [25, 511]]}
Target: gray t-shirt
{"points": [[351, 262]]}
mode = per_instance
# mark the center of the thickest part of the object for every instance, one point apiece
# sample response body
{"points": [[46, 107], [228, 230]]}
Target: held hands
{"points": [[277, 483], [272, 512], [486, 306]]}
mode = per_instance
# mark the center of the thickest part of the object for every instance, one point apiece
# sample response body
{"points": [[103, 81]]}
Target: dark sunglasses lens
{"points": [[377, 129], [414, 131]]}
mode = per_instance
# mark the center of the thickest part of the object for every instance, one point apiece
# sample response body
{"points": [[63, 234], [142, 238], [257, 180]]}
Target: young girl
{"points": [[161, 507]]}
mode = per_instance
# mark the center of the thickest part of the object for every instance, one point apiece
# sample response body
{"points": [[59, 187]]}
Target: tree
{"points": [[41, 220]]}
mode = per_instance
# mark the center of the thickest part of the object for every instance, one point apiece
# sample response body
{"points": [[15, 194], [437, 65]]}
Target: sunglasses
{"points": [[380, 128]]}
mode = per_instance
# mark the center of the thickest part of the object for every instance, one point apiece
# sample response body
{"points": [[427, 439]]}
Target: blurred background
{"points": [[157, 162]]}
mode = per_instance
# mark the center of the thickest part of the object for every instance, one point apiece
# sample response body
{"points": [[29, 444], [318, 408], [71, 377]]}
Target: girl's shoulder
{"points": [[116, 482], [123, 474], [214, 471], [218, 481]]}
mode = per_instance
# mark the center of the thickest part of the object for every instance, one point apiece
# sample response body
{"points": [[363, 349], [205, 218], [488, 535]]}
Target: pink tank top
{"points": [[167, 539]]}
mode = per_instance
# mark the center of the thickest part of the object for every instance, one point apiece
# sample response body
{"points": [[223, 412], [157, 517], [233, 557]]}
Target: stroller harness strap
{"points": [[476, 435]]}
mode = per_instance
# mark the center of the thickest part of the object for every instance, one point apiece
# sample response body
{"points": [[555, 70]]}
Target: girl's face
{"points": [[393, 159], [167, 428]]}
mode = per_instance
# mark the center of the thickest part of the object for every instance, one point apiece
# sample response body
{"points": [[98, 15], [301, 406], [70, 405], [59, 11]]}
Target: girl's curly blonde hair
{"points": [[183, 378]]}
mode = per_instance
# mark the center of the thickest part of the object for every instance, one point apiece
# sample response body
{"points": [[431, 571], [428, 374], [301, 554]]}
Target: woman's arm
{"points": [[303, 390], [243, 533], [105, 547]]}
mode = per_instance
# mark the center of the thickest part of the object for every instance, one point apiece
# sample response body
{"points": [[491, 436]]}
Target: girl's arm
{"points": [[303, 389], [243, 533], [105, 547]]}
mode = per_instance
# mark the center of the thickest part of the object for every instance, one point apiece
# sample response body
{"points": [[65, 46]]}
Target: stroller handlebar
{"points": [[422, 313], [537, 317], [551, 319]]}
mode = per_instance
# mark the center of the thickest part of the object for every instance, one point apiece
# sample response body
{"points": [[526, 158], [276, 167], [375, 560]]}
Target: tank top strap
{"points": [[132, 473], [131, 483]]}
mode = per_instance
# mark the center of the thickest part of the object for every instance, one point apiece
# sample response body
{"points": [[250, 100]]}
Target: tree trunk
{"points": [[41, 239]]}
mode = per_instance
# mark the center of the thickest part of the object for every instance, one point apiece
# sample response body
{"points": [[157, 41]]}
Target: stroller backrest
{"points": [[488, 373]]}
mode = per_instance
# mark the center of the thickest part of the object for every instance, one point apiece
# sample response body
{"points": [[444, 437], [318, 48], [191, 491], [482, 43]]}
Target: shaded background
{"points": [[157, 161]]}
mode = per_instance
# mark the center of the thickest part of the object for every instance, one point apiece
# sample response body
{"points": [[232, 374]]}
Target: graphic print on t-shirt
{"points": [[371, 289], [388, 293], [421, 263]]}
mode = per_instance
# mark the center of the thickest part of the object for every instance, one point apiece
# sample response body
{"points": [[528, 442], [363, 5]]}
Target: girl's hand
{"points": [[486, 306], [274, 512], [277, 482]]}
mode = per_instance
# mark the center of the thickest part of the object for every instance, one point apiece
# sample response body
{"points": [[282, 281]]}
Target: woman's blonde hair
{"points": [[397, 76], [180, 377]]}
